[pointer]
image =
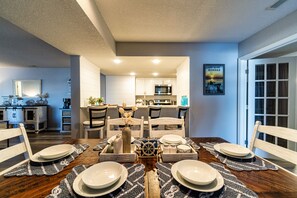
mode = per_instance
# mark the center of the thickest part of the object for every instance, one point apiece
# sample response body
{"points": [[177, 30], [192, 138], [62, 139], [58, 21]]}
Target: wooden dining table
{"points": [[268, 183]]}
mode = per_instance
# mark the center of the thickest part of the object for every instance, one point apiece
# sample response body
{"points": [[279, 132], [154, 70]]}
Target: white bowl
{"points": [[196, 172], [56, 151], [102, 175], [172, 139], [183, 148], [234, 149]]}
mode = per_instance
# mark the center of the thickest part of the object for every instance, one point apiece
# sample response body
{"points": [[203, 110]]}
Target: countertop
{"points": [[20, 106], [147, 106]]}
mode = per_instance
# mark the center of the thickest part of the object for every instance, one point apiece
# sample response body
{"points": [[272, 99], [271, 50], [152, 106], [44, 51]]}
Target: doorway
{"points": [[270, 97]]}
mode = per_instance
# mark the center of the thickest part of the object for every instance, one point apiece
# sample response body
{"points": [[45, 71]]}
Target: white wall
{"points": [[183, 81], [210, 116], [54, 82], [120, 89], [89, 81], [85, 82]]}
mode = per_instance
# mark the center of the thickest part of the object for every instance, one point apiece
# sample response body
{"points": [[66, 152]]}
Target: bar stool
{"points": [[96, 122], [182, 112], [154, 112], [127, 109]]}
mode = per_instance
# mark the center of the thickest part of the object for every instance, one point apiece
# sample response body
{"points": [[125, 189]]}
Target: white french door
{"points": [[271, 95]]}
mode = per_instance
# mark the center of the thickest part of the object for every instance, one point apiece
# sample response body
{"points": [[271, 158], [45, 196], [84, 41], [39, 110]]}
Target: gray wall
{"points": [[103, 86], [54, 82], [209, 115], [279, 30]]}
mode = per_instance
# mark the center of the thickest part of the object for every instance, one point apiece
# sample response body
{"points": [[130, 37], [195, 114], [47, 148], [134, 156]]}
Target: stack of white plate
{"points": [[53, 153], [100, 179], [197, 175], [172, 139], [234, 150]]}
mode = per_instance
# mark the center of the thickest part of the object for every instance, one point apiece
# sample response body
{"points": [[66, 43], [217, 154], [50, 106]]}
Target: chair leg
{"points": [[86, 133], [101, 132]]}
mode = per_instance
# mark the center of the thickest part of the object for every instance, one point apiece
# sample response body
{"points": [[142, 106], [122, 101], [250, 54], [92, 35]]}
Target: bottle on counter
{"points": [[118, 144]]}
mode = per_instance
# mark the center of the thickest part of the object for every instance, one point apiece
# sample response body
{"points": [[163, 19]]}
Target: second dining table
{"points": [[266, 183]]}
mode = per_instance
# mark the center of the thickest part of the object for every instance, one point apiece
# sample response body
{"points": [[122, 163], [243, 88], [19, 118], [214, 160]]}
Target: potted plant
{"points": [[92, 101], [100, 100]]}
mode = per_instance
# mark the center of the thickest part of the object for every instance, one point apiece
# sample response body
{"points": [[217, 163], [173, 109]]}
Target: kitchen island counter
{"points": [[166, 111]]}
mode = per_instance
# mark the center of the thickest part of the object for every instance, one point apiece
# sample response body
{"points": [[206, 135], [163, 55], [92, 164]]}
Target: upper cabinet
{"points": [[146, 86], [139, 86]]}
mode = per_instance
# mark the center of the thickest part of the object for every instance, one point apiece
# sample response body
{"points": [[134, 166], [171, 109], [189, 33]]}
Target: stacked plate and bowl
{"points": [[234, 151], [172, 139], [197, 175], [53, 153], [100, 179]]}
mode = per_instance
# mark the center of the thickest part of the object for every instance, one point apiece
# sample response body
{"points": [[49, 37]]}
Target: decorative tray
{"points": [[105, 155], [174, 157]]}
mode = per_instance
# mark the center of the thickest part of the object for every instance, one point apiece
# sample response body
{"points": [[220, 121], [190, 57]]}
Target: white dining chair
{"points": [[96, 122], [274, 149], [112, 126], [162, 123], [21, 148]]}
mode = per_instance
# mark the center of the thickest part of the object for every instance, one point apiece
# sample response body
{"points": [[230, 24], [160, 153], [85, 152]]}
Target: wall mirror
{"points": [[27, 88]]}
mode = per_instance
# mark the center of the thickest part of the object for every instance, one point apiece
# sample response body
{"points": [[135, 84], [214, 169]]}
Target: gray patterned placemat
{"points": [[195, 146], [47, 168], [99, 147], [171, 188], [239, 164], [133, 187]]}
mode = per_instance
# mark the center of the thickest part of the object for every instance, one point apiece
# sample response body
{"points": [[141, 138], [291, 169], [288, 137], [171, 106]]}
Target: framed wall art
{"points": [[213, 79]]}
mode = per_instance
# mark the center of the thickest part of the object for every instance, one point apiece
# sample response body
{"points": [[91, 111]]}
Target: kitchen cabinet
{"points": [[65, 120], [140, 86], [146, 86], [150, 86], [35, 118], [15, 115]]}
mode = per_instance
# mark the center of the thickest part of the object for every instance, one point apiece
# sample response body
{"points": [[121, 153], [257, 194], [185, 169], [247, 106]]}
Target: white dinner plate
{"points": [[55, 151], [218, 149], [111, 139], [172, 139], [196, 172], [217, 184], [102, 175], [234, 149], [37, 158], [83, 190]]}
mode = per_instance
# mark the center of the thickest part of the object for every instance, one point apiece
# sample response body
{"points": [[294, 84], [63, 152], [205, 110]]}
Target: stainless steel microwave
{"points": [[163, 90]]}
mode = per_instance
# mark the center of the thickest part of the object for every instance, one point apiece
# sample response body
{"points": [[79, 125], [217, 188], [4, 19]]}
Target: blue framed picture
{"points": [[213, 79]]}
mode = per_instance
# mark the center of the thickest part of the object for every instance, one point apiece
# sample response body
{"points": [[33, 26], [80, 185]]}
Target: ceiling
{"points": [[189, 20], [54, 29]]}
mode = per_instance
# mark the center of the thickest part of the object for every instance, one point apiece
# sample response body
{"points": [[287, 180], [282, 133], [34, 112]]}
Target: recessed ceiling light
{"points": [[156, 61], [117, 61], [155, 74], [132, 73]]}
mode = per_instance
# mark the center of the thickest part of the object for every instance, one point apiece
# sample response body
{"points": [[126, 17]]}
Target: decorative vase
{"points": [[126, 135]]}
